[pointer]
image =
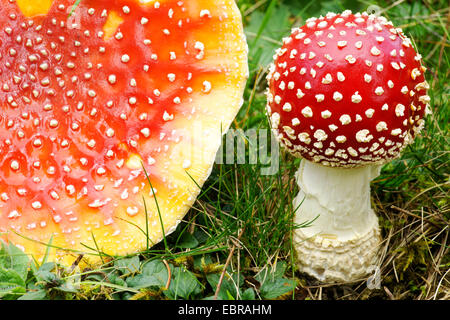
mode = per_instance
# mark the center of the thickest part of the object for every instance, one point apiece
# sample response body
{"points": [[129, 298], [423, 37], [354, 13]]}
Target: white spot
{"points": [[390, 84], [381, 126], [171, 77], [320, 135], [320, 97], [333, 127], [287, 107], [400, 110], [15, 165], [110, 132], [295, 122], [307, 112], [350, 59], [404, 90], [356, 98], [352, 152], [304, 137], [395, 65], [327, 79], [369, 113], [36, 205], [375, 51], [145, 132], [167, 116], [132, 211], [337, 96], [379, 91], [125, 58], [206, 86], [345, 119], [13, 214], [364, 136], [132, 100], [275, 120], [205, 13], [277, 99], [186, 164], [326, 114], [291, 85]]}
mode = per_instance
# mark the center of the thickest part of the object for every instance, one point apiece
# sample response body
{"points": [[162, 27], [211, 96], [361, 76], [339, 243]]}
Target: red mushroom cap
{"points": [[347, 90], [88, 97]]}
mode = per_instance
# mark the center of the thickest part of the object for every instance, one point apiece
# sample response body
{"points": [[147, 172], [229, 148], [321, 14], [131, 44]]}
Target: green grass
{"points": [[236, 241]]}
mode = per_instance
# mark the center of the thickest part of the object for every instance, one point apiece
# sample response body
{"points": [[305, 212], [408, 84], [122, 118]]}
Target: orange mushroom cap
{"points": [[95, 98]]}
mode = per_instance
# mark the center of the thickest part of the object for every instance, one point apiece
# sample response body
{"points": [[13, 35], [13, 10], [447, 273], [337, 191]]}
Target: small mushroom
{"points": [[347, 94], [94, 99]]}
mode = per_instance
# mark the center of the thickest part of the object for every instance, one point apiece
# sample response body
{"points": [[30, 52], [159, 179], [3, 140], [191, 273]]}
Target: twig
{"points": [[439, 285], [389, 293], [169, 274], [230, 255], [414, 215], [75, 263]]}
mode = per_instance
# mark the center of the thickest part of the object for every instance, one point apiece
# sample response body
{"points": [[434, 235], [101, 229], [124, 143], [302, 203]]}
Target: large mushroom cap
{"points": [[347, 90], [90, 96]]}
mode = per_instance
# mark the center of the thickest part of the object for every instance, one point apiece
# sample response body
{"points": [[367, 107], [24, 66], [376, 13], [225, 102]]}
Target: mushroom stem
{"points": [[342, 242]]}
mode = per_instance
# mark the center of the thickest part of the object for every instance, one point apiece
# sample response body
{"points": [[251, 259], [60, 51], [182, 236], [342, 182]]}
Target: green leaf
{"points": [[229, 289], [264, 32], [128, 265], [34, 295], [280, 269], [13, 271], [45, 274], [273, 284], [272, 289], [11, 282], [183, 284], [187, 241], [248, 294], [265, 21], [47, 267], [71, 284], [13, 258], [273, 273], [201, 236], [115, 278], [154, 274]]}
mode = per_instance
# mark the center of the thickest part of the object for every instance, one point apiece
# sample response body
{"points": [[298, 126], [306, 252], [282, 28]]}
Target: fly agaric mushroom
{"points": [[91, 96], [347, 94]]}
